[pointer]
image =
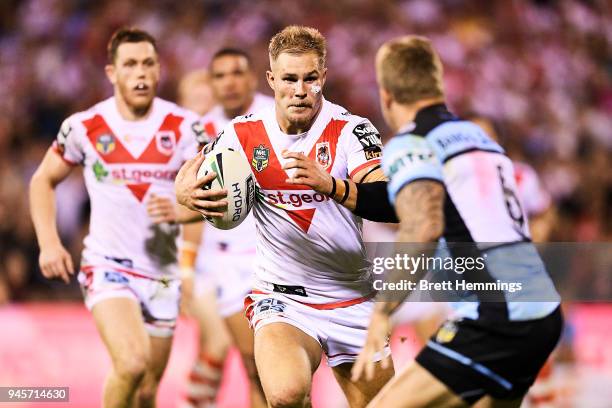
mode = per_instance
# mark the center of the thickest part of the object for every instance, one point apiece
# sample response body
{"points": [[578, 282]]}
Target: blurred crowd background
{"points": [[542, 70]]}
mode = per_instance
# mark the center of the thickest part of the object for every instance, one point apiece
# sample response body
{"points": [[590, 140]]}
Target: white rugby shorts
{"points": [[158, 298], [341, 331]]}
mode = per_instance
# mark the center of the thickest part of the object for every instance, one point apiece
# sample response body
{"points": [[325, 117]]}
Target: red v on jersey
{"points": [[209, 128], [253, 136], [160, 149]]}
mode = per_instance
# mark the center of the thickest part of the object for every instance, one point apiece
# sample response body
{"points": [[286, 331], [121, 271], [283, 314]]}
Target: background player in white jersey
{"points": [[313, 283], [225, 259], [536, 201], [131, 146], [448, 179]]}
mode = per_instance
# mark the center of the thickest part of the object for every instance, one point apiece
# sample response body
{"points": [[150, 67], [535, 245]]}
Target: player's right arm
{"points": [[54, 260]]}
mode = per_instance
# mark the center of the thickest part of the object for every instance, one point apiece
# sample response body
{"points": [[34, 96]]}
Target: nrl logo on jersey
{"points": [[105, 143], [323, 154], [261, 157], [165, 141]]}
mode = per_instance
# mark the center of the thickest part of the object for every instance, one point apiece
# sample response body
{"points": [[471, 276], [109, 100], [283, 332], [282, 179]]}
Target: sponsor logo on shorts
{"points": [[115, 277], [269, 306], [261, 157]]}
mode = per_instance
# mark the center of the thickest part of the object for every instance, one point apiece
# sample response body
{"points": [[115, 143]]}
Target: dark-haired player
{"points": [[131, 146]]}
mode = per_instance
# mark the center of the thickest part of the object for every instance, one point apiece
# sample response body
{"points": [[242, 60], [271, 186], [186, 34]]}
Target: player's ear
{"points": [[109, 69], [270, 79], [386, 99], [323, 76]]}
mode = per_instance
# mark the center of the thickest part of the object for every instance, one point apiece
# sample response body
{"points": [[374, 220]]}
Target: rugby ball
{"points": [[233, 174]]}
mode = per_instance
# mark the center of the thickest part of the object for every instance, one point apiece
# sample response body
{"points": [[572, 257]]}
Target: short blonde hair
{"points": [[409, 69], [298, 40]]}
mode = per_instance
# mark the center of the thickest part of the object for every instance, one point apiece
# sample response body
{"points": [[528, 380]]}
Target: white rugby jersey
{"points": [[124, 163], [242, 238], [306, 240], [534, 198], [481, 205]]}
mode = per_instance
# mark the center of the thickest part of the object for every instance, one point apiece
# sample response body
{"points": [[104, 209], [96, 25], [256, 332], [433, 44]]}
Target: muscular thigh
{"points": [[160, 353], [119, 321], [241, 333], [286, 358]]}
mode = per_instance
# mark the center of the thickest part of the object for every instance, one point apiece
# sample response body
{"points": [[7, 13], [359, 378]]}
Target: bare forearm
{"points": [[42, 210], [420, 207]]}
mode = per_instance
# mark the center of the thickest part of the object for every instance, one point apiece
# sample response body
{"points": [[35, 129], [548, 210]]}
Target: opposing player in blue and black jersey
{"points": [[448, 180]]}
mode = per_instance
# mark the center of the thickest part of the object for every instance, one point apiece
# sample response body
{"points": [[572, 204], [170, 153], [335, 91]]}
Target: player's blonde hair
{"points": [[409, 69], [298, 40]]}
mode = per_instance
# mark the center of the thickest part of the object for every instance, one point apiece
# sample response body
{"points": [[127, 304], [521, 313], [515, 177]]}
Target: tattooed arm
{"points": [[420, 209], [419, 206]]}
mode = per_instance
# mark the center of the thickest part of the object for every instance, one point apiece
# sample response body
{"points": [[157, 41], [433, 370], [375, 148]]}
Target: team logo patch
{"points": [[261, 157], [323, 154], [447, 332], [105, 143], [166, 141]]}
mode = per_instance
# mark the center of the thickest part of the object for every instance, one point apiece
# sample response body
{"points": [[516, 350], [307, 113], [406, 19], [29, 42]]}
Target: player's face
{"points": [[135, 74], [297, 81], [233, 82]]}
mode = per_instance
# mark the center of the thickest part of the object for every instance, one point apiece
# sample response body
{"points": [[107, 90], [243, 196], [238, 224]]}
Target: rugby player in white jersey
{"points": [[318, 171], [448, 179], [225, 258], [131, 146]]}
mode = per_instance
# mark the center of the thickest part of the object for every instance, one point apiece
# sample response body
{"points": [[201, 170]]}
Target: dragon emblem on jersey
{"points": [[323, 154], [261, 157], [105, 143], [165, 141]]}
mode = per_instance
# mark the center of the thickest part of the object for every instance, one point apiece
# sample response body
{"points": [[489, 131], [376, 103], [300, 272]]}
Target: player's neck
{"points": [[404, 114], [232, 113], [128, 112]]}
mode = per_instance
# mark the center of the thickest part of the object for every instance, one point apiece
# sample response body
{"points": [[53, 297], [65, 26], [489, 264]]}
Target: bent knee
{"points": [[133, 366], [288, 397]]}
